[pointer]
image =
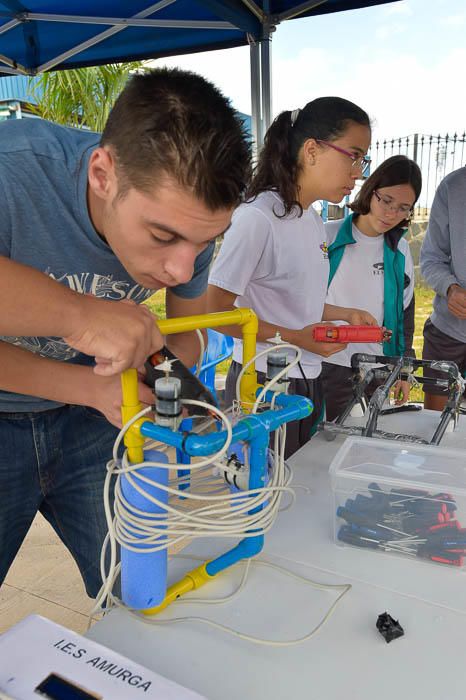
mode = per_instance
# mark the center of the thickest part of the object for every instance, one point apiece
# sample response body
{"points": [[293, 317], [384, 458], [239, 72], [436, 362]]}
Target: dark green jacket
{"points": [[394, 281]]}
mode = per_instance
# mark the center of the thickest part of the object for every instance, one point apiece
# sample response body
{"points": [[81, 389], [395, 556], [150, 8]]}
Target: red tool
{"points": [[351, 334]]}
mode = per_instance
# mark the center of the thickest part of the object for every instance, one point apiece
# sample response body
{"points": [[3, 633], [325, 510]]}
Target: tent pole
{"points": [[266, 80], [256, 119]]}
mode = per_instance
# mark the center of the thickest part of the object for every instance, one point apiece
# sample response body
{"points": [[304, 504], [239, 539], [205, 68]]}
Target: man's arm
{"points": [[435, 258], [24, 372], [118, 334]]}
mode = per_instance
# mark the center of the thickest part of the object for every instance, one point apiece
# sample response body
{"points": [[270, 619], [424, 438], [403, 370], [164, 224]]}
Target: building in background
{"points": [[15, 97]]}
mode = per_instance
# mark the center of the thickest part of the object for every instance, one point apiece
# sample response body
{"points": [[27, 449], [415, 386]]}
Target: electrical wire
{"points": [[344, 588], [201, 352], [225, 516], [213, 510], [271, 382]]}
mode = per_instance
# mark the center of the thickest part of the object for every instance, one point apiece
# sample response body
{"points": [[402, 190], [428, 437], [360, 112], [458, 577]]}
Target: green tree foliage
{"points": [[82, 97]]}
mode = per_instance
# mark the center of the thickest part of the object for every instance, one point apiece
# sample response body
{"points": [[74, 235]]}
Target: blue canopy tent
{"points": [[42, 35]]}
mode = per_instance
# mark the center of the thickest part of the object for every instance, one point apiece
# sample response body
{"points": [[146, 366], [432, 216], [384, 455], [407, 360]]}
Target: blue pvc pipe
{"points": [[144, 575], [254, 429], [292, 408], [181, 457], [249, 546]]}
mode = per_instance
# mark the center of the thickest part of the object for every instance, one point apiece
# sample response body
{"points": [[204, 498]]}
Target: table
{"points": [[348, 657]]}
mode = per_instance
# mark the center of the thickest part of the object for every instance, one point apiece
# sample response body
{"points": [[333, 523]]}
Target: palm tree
{"points": [[82, 97]]}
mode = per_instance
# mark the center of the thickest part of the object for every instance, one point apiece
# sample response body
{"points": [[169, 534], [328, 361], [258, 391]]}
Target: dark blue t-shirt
{"points": [[45, 223]]}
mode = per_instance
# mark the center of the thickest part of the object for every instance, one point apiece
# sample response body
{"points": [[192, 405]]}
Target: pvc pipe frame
{"points": [[255, 429], [246, 318]]}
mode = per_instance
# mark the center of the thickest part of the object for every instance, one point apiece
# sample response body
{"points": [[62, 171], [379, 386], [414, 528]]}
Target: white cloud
{"points": [[388, 31], [402, 94], [397, 8], [454, 20], [306, 75], [407, 96], [229, 69]]}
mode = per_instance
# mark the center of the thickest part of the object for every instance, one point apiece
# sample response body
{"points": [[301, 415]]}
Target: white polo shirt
{"points": [[277, 266], [359, 283]]}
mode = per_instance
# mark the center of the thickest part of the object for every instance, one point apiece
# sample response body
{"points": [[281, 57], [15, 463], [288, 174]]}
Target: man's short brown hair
{"points": [[169, 122]]}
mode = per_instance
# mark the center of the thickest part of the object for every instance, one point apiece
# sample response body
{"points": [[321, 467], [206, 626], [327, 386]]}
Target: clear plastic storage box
{"points": [[401, 498]]}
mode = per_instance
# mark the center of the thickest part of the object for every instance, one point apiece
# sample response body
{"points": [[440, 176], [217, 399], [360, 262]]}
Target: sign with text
{"points": [[40, 659]]}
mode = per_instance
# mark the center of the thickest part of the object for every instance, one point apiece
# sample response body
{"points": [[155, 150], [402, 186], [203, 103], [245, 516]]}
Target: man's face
{"points": [[156, 236]]}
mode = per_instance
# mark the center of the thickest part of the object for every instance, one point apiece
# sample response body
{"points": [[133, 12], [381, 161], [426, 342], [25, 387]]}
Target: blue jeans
{"points": [[54, 462]]}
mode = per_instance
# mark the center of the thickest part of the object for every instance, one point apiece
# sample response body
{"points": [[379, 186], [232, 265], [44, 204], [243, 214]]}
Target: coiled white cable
{"points": [[108, 580], [247, 513], [225, 515]]}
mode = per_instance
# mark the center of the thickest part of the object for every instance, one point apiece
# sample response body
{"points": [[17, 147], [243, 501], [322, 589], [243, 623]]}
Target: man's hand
{"points": [[119, 334], [106, 397], [456, 297]]}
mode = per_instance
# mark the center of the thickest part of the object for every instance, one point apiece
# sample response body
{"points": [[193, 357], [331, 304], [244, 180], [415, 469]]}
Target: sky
{"points": [[403, 62]]}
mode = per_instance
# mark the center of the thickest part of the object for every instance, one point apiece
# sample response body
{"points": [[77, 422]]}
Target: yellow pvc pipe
{"points": [[246, 318], [190, 581], [130, 406]]}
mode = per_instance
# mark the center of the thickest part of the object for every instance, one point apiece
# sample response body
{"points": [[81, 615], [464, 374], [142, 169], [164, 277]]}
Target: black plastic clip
{"points": [[388, 627]]}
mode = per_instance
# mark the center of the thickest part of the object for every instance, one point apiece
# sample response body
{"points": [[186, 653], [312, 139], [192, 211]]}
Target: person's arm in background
{"points": [[223, 300], [355, 317], [119, 334], [435, 259], [246, 253], [24, 372]]}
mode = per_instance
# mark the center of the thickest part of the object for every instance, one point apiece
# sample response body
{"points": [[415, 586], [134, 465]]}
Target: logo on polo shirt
{"points": [[324, 248], [378, 268]]}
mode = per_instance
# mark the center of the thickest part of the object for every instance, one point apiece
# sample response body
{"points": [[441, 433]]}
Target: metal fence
{"points": [[436, 156]]}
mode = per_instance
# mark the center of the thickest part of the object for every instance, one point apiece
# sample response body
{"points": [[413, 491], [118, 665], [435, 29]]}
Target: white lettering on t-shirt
{"points": [[102, 286]]}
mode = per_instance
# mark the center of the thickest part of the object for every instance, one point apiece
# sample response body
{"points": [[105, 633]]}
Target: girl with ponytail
{"points": [[274, 257]]}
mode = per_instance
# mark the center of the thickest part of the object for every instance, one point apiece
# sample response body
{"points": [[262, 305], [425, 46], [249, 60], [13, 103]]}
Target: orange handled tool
{"points": [[192, 387]]}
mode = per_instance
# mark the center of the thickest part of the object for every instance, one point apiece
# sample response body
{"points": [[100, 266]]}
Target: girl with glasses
{"points": [[274, 256], [371, 267]]}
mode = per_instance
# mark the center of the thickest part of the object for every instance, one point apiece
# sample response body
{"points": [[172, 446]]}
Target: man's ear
{"points": [[101, 173]]}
